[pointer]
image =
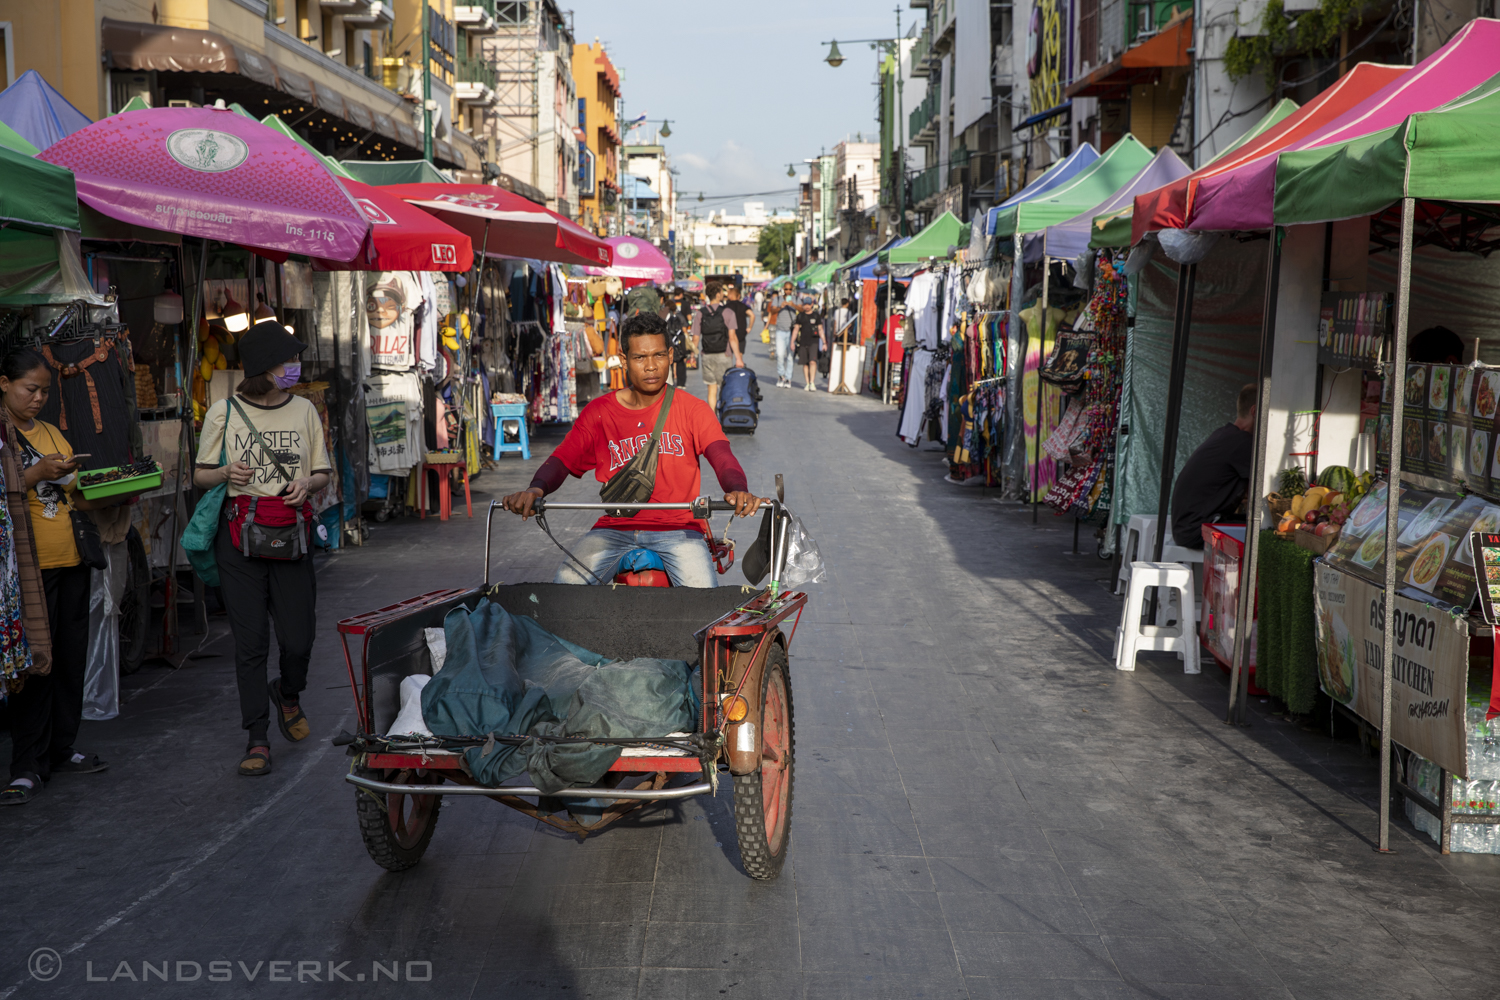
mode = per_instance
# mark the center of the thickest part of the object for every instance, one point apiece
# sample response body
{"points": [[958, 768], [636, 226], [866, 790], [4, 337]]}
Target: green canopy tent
{"points": [[941, 234], [822, 274], [11, 139], [1112, 230], [1094, 184], [379, 173], [334, 166], [1444, 155], [39, 260]]}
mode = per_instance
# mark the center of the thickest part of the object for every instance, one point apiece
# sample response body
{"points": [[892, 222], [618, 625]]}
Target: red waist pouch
{"points": [[268, 528]]}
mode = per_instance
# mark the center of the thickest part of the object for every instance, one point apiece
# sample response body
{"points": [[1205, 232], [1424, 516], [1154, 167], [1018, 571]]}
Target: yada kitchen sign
{"points": [[1430, 676]]}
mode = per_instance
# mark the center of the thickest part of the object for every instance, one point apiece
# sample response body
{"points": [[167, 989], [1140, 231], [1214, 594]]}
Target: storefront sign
{"points": [[1429, 681]]}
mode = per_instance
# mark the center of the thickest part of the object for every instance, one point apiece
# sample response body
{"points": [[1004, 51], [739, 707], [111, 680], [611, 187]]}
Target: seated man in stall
{"points": [[607, 435], [1215, 482]]}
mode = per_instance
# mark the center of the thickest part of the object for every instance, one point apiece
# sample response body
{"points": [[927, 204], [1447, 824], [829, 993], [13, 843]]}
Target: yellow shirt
{"points": [[49, 503], [292, 429]]}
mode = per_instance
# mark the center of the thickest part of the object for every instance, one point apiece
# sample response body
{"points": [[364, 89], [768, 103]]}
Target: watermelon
{"points": [[1341, 479]]}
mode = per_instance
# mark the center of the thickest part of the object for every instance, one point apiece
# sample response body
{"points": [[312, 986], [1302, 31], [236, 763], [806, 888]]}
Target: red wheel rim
{"points": [[775, 776], [408, 814]]}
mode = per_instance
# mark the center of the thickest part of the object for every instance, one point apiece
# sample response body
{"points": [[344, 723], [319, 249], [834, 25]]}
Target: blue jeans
{"points": [[784, 366], [683, 551]]}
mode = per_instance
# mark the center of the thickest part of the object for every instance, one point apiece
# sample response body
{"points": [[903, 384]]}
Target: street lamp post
{"points": [[426, 82], [835, 58]]}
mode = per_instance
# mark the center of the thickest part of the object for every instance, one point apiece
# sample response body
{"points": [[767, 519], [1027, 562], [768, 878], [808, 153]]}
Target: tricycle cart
{"points": [[747, 731]]}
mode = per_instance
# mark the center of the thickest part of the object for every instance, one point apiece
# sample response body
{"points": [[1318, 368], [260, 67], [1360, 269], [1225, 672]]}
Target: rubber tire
{"points": [[135, 606], [749, 808], [375, 828]]}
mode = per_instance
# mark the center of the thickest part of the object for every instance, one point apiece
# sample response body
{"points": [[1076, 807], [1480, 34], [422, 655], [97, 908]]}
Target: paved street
{"points": [[984, 806]]}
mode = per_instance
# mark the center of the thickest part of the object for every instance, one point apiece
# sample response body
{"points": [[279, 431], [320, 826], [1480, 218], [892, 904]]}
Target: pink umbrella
{"points": [[636, 259], [1243, 198], [214, 174]]}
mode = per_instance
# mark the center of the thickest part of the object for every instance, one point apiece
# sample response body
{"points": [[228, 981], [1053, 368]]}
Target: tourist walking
{"points": [[782, 313], [718, 349], [807, 341], [268, 446]]}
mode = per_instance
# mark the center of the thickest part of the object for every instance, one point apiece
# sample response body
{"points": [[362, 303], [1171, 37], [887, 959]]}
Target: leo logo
{"points": [[603, 254], [444, 253], [374, 212]]}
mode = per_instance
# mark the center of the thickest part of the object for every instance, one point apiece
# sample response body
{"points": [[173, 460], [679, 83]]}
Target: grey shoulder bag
{"points": [[636, 480]]}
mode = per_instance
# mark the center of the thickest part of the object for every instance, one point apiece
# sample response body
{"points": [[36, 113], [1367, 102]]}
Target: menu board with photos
{"points": [[1485, 551], [1434, 560], [1449, 426], [1352, 328]]}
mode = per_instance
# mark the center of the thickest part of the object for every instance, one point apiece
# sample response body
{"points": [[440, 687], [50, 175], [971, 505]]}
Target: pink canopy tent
{"points": [[636, 261], [211, 173], [1169, 206], [1243, 198]]}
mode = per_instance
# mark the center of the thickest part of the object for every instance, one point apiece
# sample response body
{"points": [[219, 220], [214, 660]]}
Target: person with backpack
{"points": [[713, 337], [654, 432], [677, 341], [782, 313], [267, 445]]}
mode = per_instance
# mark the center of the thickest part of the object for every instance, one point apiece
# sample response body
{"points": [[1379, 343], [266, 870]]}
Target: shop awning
{"points": [[1069, 240], [1142, 63], [1168, 207], [1244, 198], [138, 46], [1443, 155], [37, 112], [941, 234], [503, 224], [1094, 184], [213, 174], [1111, 228]]}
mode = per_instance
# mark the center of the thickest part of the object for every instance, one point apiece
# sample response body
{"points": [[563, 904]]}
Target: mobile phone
{"points": [[80, 454]]}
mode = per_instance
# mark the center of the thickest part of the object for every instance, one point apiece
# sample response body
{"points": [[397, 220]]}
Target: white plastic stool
{"points": [[1132, 637], [1139, 540]]}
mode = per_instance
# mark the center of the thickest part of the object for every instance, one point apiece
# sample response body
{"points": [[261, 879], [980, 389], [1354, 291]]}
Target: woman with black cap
{"points": [[268, 446]]}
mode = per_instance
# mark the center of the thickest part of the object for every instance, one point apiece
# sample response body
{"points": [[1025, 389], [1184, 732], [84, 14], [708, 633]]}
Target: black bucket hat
{"points": [[266, 345]]}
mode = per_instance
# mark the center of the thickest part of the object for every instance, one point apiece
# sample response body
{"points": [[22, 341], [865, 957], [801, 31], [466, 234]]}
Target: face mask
{"points": [[293, 374]]}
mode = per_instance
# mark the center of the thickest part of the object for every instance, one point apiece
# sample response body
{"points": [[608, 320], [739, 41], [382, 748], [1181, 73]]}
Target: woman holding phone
{"points": [[268, 446], [47, 711]]}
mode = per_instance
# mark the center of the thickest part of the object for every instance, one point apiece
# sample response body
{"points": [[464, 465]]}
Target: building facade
{"points": [[346, 74], [597, 84]]}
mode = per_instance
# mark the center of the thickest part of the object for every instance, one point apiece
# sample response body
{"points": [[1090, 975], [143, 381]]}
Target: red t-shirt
{"points": [[608, 435]]}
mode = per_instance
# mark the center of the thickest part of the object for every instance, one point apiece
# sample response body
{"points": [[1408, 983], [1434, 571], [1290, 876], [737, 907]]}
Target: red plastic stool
{"points": [[444, 464]]}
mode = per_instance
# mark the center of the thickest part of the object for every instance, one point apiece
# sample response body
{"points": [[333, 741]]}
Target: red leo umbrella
{"points": [[404, 237], [504, 224]]}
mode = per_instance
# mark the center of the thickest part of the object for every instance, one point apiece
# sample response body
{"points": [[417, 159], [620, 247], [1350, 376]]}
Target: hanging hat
{"points": [[266, 345]]}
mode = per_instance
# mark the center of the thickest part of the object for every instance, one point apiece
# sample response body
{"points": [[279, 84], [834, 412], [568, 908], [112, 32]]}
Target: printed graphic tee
{"points": [[393, 410], [391, 308], [607, 435], [292, 429]]}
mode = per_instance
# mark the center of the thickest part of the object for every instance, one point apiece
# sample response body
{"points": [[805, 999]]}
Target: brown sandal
{"points": [[293, 723], [257, 761]]}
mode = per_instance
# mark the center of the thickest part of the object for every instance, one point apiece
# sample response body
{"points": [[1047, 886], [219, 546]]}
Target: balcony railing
{"points": [[925, 184], [923, 114], [919, 52], [473, 69]]}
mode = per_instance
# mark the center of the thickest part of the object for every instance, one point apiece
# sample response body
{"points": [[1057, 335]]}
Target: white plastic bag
{"points": [[804, 563]]}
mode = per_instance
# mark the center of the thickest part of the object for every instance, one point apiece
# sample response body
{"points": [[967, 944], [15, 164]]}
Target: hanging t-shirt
{"points": [[607, 435], [292, 429], [427, 323], [49, 502], [393, 409], [391, 307]]}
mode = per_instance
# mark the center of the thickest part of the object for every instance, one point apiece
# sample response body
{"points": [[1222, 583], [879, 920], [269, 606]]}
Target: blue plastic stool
{"points": [[513, 413]]}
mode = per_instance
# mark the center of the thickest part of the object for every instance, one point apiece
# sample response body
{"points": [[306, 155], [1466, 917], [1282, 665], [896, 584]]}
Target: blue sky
{"points": [[743, 83]]}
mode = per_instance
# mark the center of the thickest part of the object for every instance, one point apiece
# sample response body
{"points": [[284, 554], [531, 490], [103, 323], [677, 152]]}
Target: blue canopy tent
{"points": [[1059, 173], [37, 112]]}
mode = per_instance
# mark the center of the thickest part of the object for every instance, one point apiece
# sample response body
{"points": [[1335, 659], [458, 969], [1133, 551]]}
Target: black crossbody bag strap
{"points": [[265, 448]]}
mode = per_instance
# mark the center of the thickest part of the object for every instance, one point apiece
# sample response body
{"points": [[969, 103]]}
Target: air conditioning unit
{"points": [[1145, 20]]}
